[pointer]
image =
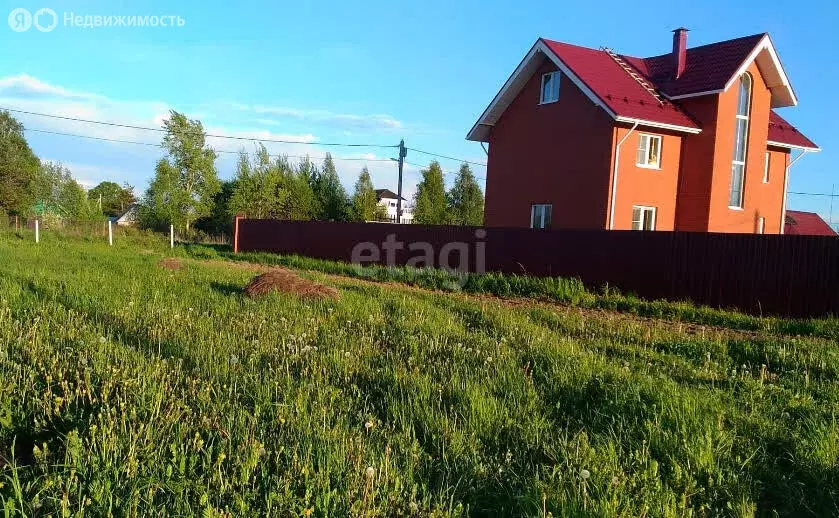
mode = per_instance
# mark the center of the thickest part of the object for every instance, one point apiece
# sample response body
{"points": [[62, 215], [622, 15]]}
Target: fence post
{"points": [[171, 236], [236, 234], [37, 232], [110, 234]]}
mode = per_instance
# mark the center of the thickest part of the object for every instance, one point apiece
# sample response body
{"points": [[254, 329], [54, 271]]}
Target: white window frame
{"points": [[644, 140], [761, 225], [642, 210], [735, 161], [554, 78], [541, 207], [766, 168]]}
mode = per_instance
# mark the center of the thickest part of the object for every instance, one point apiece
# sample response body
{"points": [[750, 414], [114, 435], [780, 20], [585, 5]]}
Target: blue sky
{"points": [[369, 72]]}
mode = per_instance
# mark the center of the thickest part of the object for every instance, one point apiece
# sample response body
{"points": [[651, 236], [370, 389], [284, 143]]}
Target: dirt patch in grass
{"points": [[170, 263], [284, 281]]}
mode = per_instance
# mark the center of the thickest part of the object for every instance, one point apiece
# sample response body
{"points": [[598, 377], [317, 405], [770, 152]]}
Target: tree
{"points": [[114, 200], [430, 204], [186, 181], [49, 182], [75, 205], [220, 220], [331, 198], [300, 204], [466, 200], [259, 191], [19, 168], [365, 206]]}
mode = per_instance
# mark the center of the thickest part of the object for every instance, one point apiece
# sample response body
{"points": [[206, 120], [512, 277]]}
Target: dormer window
{"points": [[550, 88], [741, 142]]}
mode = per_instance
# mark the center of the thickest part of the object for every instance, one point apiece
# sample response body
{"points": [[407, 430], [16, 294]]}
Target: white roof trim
{"points": [[662, 125], [766, 44], [516, 82], [793, 146], [697, 94]]}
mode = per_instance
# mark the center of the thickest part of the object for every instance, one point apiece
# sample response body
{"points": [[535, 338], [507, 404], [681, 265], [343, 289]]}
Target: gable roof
{"points": [[710, 69], [386, 193], [784, 134], [806, 224]]}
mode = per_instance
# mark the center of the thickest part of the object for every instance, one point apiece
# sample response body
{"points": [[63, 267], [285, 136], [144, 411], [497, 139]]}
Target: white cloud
{"points": [[345, 121]]}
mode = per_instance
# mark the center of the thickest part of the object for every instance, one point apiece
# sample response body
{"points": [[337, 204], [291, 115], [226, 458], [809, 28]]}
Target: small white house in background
{"points": [[387, 199], [129, 218]]}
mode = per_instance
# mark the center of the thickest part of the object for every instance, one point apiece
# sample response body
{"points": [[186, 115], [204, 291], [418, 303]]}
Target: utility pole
{"points": [[402, 154]]}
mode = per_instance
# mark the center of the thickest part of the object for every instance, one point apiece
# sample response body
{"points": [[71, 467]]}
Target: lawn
{"points": [[134, 390]]}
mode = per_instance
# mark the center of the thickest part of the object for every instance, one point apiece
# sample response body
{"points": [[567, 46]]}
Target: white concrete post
{"points": [[37, 232], [110, 234], [171, 236]]}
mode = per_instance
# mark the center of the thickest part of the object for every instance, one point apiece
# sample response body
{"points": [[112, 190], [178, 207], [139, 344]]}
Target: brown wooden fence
{"points": [[769, 274]]}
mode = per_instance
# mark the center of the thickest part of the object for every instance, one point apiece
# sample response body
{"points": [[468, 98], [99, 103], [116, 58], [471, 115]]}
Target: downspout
{"points": [[786, 186], [615, 177]]}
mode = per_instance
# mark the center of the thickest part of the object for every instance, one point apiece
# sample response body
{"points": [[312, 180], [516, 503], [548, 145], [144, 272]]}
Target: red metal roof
{"points": [[806, 224], [708, 67], [783, 132], [616, 88]]}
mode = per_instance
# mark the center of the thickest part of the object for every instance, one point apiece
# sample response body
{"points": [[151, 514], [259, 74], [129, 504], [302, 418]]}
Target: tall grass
{"points": [[129, 390]]}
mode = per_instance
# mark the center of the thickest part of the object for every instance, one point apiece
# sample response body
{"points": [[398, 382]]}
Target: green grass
{"points": [[131, 390], [556, 289]]}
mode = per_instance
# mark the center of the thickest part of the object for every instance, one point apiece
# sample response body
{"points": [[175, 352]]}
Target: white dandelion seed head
{"points": [[370, 472], [585, 474], [102, 339], [368, 425]]}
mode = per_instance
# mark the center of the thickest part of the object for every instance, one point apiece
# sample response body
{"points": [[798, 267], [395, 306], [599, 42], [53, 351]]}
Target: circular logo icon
{"points": [[20, 20], [45, 19]]}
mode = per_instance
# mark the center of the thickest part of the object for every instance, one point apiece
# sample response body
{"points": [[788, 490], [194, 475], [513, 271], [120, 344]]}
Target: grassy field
{"points": [[133, 390]]}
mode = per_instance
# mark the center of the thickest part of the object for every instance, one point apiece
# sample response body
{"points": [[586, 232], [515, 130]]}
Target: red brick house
{"points": [[689, 140], [806, 224]]}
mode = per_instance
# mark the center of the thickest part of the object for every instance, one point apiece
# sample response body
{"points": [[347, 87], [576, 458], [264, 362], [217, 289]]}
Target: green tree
{"points": [[19, 168], [466, 200], [186, 181], [365, 205], [259, 191], [114, 200], [51, 178], [300, 203], [75, 205], [430, 204], [220, 220], [332, 201]]}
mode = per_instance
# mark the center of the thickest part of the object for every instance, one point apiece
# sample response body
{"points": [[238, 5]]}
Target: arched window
{"points": [[741, 139]]}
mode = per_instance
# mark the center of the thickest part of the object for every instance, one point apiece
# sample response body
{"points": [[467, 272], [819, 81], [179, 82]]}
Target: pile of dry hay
{"points": [[170, 263], [284, 281]]}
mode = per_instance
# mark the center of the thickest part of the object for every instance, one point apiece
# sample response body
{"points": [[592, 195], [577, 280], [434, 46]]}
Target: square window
{"points": [[540, 216], [550, 88], [649, 152], [643, 218]]}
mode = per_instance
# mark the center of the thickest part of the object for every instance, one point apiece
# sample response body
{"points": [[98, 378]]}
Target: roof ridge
{"points": [[634, 75], [761, 34]]}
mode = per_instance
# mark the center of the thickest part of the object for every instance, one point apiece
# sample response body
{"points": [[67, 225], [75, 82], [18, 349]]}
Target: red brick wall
{"points": [[555, 153]]}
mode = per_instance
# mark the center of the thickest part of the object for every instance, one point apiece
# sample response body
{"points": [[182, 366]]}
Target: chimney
{"points": [[680, 44]]}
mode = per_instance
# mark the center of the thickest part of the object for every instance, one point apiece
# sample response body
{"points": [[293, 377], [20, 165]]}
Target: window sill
{"points": [[735, 208], [642, 166], [548, 102]]}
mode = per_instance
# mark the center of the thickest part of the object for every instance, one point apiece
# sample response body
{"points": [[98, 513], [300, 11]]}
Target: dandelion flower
{"points": [[347, 354], [234, 359], [368, 425], [585, 474], [414, 507], [370, 472]]}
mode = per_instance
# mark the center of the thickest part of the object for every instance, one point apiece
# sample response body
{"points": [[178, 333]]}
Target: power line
{"points": [[146, 128], [359, 159], [446, 157], [815, 194], [447, 173]]}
